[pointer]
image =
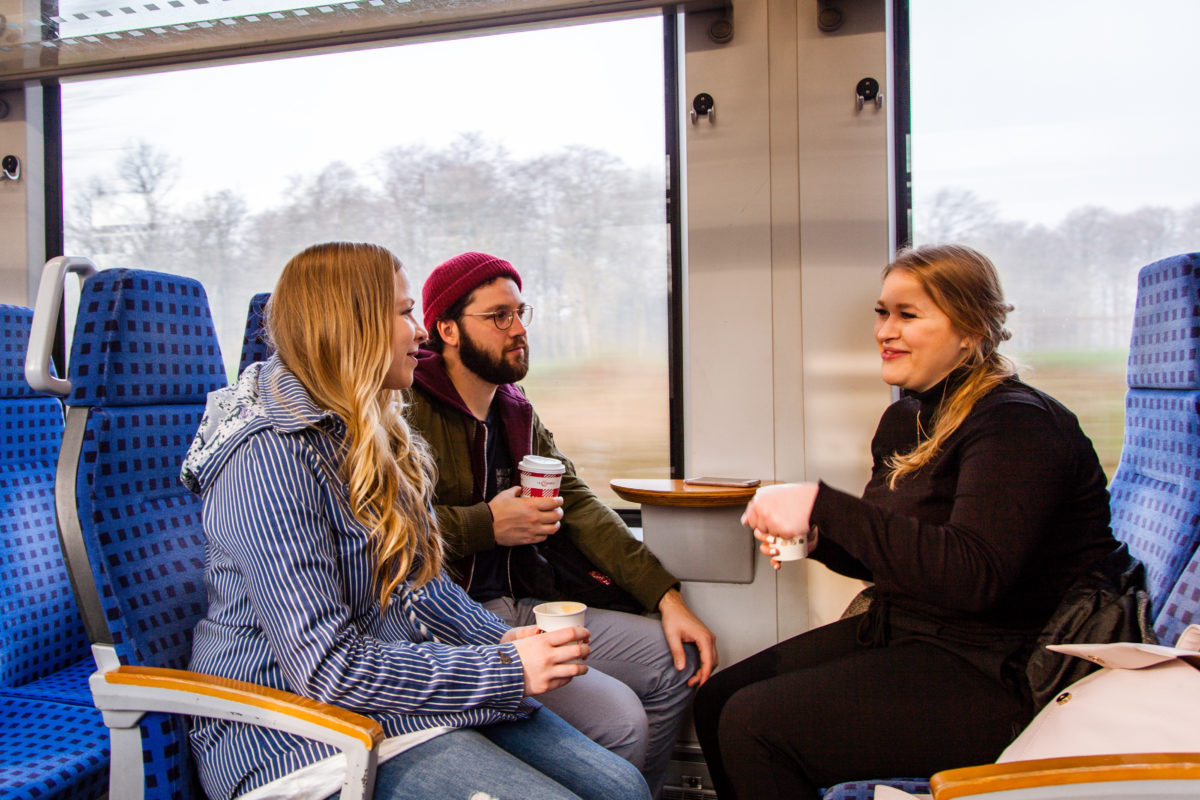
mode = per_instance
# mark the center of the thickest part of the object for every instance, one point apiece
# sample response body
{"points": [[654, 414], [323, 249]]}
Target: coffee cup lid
{"points": [[541, 465]]}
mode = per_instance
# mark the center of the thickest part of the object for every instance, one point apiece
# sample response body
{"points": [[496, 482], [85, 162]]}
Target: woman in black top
{"points": [[986, 501]]}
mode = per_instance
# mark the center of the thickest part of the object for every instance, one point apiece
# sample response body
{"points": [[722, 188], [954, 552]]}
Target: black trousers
{"points": [[827, 707]]}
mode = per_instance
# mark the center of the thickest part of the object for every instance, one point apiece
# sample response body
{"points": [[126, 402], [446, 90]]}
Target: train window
{"points": [[542, 146], [1054, 137]]}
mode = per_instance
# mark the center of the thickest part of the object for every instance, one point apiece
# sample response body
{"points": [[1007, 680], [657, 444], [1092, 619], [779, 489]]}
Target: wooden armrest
{"points": [[313, 712], [968, 781]]}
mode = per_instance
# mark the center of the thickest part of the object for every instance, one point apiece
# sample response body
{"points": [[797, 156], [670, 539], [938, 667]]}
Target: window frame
{"points": [[673, 203]]}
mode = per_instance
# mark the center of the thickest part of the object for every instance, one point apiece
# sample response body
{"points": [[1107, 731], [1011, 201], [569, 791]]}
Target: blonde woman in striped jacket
{"points": [[324, 571]]}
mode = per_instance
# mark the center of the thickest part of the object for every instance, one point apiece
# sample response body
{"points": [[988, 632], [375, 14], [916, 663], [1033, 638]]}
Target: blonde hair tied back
{"points": [[964, 284], [330, 319]]}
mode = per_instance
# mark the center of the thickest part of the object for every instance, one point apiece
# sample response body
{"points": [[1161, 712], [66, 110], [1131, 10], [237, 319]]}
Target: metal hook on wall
{"points": [[867, 91], [10, 168], [703, 105]]}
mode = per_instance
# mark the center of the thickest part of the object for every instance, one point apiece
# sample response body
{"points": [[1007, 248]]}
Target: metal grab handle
{"points": [[45, 322]]}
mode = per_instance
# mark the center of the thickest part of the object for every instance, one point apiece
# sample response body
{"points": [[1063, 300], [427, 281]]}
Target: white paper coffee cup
{"points": [[563, 614], [540, 476], [789, 549], [560, 614]]}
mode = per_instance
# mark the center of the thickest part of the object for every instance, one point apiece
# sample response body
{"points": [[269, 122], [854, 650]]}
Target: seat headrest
{"points": [[255, 346], [143, 338], [1164, 351], [15, 322]]}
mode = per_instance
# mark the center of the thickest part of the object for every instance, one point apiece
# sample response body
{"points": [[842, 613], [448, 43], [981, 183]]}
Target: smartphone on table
{"points": [[736, 483]]}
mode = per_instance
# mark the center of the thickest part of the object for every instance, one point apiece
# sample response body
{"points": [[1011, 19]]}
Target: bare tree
{"points": [[953, 214], [146, 175]]}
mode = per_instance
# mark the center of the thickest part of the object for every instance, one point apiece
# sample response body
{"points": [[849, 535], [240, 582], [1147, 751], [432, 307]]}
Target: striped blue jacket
{"points": [[291, 602]]}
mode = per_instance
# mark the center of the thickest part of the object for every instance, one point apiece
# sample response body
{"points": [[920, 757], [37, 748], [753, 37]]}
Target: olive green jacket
{"points": [[457, 441]]}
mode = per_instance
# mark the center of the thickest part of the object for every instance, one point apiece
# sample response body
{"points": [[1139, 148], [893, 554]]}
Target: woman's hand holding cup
{"points": [[550, 660], [779, 515], [780, 549]]}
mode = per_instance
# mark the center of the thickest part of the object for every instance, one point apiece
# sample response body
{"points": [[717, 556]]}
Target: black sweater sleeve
{"points": [[834, 556]]}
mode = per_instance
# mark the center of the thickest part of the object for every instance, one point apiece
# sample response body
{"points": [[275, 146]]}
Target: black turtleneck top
{"points": [[992, 531]]}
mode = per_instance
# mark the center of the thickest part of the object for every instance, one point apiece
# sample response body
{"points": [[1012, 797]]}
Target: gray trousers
{"points": [[632, 699]]}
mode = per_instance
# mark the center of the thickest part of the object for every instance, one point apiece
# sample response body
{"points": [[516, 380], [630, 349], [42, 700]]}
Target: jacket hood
{"points": [[432, 382], [266, 395]]}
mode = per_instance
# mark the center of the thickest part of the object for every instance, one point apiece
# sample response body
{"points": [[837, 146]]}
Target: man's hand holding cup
{"points": [[531, 512]]}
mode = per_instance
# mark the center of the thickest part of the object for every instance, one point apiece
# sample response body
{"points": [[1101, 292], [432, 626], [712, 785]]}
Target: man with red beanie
{"points": [[513, 552]]}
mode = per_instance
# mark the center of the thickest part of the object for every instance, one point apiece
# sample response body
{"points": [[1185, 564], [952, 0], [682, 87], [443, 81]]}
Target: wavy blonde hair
{"points": [[330, 319], [963, 283]]}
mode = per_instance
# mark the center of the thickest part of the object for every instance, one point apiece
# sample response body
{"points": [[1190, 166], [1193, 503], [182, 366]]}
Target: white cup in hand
{"points": [[789, 549], [560, 614]]}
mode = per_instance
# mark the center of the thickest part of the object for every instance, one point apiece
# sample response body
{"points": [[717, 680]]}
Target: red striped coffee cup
{"points": [[540, 476]]}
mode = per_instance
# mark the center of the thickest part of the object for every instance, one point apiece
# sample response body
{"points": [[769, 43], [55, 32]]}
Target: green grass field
{"points": [[610, 416], [1092, 384]]}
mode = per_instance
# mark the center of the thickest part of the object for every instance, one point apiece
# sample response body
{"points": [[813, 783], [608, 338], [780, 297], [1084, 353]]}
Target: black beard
{"points": [[495, 370]]}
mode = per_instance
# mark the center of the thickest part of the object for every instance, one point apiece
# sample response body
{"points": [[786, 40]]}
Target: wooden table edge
{"points": [[675, 493]]}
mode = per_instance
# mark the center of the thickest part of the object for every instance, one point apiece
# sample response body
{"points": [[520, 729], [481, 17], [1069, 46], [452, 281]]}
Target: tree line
{"points": [[585, 229], [1073, 284]]}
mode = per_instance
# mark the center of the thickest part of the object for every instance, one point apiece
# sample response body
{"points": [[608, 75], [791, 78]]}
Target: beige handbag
{"points": [[1146, 699], [1143, 701]]}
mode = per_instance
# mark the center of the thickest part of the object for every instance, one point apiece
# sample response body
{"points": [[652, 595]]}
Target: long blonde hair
{"points": [[963, 283], [330, 319]]}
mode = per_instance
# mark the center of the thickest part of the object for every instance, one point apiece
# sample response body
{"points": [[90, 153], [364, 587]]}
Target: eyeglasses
{"points": [[503, 318]]}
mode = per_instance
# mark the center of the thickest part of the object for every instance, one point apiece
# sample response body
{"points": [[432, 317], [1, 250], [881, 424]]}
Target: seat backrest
{"points": [[42, 632], [255, 346], [143, 360], [1156, 489]]}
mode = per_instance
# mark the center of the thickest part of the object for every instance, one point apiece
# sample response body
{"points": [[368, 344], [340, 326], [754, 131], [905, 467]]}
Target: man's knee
{"points": [[673, 690], [670, 681]]}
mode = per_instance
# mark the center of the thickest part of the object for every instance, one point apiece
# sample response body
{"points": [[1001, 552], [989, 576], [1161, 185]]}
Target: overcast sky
{"points": [[251, 126], [1042, 106], [1039, 106]]}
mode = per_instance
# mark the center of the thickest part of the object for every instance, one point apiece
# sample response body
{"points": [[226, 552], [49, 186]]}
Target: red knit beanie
{"points": [[451, 280]]}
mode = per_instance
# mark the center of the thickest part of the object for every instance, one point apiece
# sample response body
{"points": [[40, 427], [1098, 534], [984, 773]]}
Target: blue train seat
{"points": [[1156, 489], [255, 346], [51, 751], [53, 742], [143, 359], [43, 633]]}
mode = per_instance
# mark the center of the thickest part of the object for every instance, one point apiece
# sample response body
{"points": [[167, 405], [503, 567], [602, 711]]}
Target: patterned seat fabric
{"points": [[1156, 489], [42, 631], [865, 790], [143, 360], [53, 743], [255, 346], [52, 751]]}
